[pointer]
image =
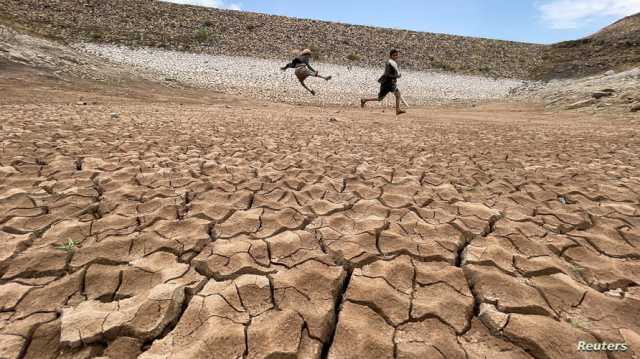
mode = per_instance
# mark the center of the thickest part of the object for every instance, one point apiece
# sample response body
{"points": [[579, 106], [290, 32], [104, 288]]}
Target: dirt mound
{"points": [[615, 47], [214, 31], [609, 92], [626, 28], [51, 59]]}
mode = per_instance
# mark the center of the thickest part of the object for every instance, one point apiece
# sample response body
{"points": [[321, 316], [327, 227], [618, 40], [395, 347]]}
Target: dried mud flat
{"points": [[256, 230]]}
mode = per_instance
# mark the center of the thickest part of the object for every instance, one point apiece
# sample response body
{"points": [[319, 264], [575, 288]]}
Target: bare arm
{"points": [[306, 62]]}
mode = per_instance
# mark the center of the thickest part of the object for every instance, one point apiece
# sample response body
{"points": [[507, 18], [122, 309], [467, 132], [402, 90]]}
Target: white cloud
{"points": [[573, 14], [220, 4]]}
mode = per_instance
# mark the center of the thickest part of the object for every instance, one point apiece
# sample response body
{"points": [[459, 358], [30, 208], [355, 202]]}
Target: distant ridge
{"points": [[615, 47], [198, 29]]}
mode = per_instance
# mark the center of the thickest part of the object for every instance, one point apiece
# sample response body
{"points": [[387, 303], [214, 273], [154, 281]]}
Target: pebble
{"points": [[600, 94], [580, 104]]}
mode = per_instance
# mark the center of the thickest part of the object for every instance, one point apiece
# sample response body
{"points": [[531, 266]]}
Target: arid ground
{"points": [[142, 221]]}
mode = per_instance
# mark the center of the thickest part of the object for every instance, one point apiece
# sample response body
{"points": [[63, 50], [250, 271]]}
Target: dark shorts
{"points": [[302, 72], [386, 88]]}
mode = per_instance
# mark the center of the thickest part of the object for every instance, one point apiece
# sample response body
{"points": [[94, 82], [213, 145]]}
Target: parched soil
{"points": [[195, 225]]}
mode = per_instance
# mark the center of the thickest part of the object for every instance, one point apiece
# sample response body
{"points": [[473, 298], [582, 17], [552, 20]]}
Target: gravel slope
{"points": [[156, 24], [262, 78]]}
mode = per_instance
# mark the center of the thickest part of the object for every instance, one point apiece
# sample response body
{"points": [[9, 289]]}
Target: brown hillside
{"points": [[199, 29], [615, 47]]}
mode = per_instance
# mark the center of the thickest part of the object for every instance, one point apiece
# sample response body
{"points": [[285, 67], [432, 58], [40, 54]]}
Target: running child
{"points": [[389, 82]]}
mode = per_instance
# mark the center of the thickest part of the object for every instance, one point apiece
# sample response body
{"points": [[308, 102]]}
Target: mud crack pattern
{"points": [[224, 232]]}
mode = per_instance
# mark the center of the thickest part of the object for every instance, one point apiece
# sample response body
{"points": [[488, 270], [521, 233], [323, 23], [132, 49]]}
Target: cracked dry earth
{"points": [[268, 231]]}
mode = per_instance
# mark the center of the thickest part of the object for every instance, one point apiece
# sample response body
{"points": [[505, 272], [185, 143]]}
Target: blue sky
{"points": [[539, 21]]}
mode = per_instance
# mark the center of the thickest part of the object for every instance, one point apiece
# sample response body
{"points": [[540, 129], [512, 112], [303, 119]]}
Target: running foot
{"points": [[328, 78], [400, 112], [313, 92], [362, 102]]}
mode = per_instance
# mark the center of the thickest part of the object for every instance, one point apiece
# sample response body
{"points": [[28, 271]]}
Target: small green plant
{"points": [[94, 35], [579, 323], [441, 65], [4, 33], [353, 57], [202, 34], [573, 43], [94, 32], [68, 246], [577, 270]]}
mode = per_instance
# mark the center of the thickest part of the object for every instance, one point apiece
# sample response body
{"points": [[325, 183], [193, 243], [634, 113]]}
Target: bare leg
{"points": [[326, 78], [365, 100], [398, 97], [306, 88]]}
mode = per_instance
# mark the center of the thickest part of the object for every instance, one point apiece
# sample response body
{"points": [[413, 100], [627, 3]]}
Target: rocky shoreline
{"points": [[261, 78], [150, 23]]}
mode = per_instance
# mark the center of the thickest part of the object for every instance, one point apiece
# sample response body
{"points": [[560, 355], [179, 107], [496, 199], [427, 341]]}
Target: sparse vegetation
{"points": [[576, 269], [353, 57], [95, 35], [5, 34], [68, 246], [579, 323], [442, 66], [202, 34], [574, 43], [136, 38]]}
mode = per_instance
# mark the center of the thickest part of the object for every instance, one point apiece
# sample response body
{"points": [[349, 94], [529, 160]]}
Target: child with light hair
{"points": [[303, 69]]}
